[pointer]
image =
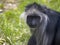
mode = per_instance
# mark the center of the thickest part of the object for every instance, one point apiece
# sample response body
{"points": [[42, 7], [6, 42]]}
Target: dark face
{"points": [[33, 21]]}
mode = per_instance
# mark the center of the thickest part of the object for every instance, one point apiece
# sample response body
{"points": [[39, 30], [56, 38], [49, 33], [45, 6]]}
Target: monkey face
{"points": [[34, 17], [33, 20]]}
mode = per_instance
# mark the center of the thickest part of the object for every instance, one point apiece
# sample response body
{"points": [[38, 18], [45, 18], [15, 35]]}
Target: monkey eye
{"points": [[33, 17]]}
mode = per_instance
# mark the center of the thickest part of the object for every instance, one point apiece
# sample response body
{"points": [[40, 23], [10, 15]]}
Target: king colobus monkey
{"points": [[44, 24]]}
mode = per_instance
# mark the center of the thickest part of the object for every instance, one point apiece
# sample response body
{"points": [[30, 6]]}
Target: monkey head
{"points": [[34, 15]]}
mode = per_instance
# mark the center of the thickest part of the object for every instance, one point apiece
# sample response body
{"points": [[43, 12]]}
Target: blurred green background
{"points": [[13, 30]]}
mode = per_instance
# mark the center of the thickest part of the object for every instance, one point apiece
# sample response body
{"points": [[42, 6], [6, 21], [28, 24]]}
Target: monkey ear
{"points": [[22, 16]]}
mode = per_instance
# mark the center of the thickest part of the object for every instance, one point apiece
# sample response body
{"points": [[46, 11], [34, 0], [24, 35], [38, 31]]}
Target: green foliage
{"points": [[1, 5], [13, 28], [53, 4]]}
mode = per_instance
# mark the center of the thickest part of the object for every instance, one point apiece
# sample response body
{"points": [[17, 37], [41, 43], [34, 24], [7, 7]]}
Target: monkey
{"points": [[44, 24]]}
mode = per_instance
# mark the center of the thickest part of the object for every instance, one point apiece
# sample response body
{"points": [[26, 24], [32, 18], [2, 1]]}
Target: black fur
{"points": [[52, 31]]}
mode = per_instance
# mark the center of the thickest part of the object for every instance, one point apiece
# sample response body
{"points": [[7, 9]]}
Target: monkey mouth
{"points": [[32, 26]]}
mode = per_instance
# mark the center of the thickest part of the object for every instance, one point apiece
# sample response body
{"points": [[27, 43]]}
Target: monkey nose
{"points": [[33, 23]]}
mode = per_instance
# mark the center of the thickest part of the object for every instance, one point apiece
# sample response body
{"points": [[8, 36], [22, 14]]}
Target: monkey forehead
{"points": [[34, 11]]}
